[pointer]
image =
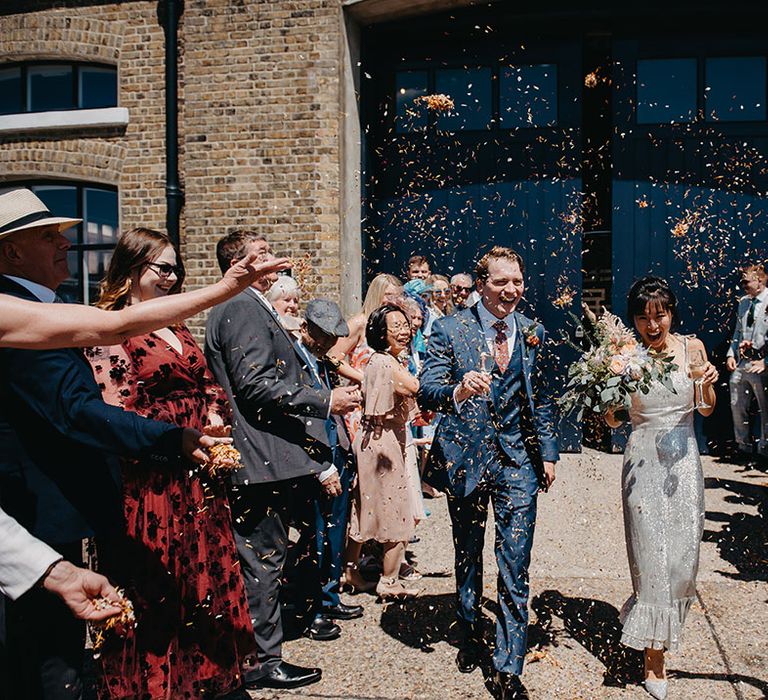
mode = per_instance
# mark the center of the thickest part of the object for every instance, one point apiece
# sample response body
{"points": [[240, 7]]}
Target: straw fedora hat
{"points": [[21, 210]]}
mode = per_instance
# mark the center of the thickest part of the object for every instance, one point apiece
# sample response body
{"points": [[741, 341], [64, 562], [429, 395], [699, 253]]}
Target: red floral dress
{"points": [[179, 564]]}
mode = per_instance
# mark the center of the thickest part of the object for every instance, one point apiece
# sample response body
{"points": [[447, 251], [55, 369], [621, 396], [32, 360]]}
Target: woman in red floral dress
{"points": [[178, 564]]}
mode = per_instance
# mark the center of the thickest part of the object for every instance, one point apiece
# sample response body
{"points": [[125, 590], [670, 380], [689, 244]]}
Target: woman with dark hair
{"points": [[662, 483], [382, 508], [177, 562]]}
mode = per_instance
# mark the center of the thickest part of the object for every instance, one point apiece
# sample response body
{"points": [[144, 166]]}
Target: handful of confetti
{"points": [[437, 103], [224, 459], [119, 624]]}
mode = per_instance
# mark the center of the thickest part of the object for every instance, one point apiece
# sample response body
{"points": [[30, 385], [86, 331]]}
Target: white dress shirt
{"points": [[487, 319], [756, 333], [40, 292]]}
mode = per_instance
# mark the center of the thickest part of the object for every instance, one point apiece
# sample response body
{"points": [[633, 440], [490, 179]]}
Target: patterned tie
{"points": [[502, 350], [751, 312]]}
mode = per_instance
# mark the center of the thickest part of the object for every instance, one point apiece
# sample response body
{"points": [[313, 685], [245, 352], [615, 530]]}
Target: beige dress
{"points": [[382, 507]]}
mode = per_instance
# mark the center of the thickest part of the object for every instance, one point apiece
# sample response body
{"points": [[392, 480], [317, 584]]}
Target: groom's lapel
{"points": [[474, 336], [523, 324]]}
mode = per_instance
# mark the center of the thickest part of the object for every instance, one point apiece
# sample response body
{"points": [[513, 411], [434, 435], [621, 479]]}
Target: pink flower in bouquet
{"points": [[629, 347], [617, 365]]}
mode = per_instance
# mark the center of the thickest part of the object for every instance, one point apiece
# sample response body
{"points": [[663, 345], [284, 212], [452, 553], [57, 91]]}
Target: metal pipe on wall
{"points": [[170, 11]]}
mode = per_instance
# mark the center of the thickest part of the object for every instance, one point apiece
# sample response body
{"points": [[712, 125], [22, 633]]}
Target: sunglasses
{"points": [[460, 288], [164, 270]]}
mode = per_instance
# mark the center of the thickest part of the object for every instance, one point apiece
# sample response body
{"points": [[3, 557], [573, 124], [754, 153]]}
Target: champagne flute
{"points": [[697, 362], [487, 362]]}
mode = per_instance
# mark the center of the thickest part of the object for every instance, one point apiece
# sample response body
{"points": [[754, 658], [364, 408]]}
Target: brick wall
{"points": [[258, 117]]}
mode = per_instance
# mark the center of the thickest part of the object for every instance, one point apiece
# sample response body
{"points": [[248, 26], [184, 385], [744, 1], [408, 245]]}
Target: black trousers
{"points": [[262, 515], [43, 645]]}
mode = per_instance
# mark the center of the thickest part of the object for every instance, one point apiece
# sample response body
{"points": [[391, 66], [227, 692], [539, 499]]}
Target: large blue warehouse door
{"points": [[690, 181], [503, 167]]}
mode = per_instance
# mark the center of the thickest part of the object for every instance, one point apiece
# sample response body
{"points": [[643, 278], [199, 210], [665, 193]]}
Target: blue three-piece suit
{"points": [[491, 449]]}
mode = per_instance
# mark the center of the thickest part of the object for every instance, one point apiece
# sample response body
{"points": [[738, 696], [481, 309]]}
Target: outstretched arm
{"points": [[34, 326]]}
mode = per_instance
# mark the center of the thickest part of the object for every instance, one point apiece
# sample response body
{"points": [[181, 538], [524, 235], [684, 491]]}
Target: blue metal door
{"points": [[502, 168], [690, 178]]}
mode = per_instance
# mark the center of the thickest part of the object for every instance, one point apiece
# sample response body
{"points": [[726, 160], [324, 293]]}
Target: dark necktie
{"points": [[500, 343], [751, 312]]}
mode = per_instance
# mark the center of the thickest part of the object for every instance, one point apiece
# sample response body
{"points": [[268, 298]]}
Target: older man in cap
{"points": [[323, 325], [279, 422], [56, 478]]}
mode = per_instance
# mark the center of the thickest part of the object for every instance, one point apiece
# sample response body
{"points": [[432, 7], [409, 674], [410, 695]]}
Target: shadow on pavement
{"points": [[743, 539], [592, 623], [732, 678]]}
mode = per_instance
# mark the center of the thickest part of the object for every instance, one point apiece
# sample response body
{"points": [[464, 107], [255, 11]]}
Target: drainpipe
{"points": [[170, 11]]}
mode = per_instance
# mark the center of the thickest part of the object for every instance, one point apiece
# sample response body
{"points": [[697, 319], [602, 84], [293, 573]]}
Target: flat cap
{"points": [[326, 315]]}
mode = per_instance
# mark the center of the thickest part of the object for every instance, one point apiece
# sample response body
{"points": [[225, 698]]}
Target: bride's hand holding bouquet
{"points": [[611, 369]]}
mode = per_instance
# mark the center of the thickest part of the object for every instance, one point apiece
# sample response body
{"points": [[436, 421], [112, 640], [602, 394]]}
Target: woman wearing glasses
{"points": [[178, 563]]}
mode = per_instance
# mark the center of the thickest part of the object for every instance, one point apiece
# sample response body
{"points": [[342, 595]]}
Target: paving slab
{"points": [[579, 580]]}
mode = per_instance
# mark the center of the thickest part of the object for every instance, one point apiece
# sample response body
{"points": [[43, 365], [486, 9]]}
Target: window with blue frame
{"points": [[735, 89], [92, 241], [470, 89], [528, 96], [666, 90], [411, 112], [49, 86]]}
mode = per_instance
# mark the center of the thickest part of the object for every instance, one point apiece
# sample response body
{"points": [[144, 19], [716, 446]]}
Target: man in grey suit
{"points": [[279, 426], [746, 360]]}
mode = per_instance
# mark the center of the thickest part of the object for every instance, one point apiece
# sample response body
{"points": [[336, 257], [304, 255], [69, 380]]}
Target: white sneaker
{"points": [[656, 688]]}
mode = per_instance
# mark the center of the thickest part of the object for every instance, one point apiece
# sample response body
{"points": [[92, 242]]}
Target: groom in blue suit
{"points": [[496, 441]]}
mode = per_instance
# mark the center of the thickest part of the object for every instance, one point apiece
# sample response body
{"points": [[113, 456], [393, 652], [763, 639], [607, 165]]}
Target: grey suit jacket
{"points": [[278, 413]]}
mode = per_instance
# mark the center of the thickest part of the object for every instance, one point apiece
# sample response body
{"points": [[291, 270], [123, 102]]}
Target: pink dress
{"points": [[382, 506], [358, 359]]}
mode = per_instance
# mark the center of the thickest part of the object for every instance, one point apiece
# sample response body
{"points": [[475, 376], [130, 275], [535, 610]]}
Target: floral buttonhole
{"points": [[531, 338]]}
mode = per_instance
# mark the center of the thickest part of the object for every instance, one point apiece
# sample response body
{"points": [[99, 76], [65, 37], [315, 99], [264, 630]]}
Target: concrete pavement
{"points": [[579, 580]]}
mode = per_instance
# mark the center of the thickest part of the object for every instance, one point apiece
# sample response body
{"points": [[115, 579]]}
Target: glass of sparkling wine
{"points": [[487, 362], [697, 361]]}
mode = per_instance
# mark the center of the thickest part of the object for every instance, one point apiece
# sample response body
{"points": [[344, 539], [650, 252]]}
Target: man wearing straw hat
{"points": [[56, 479]]}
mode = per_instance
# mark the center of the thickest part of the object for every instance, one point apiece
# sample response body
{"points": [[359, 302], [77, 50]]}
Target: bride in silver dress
{"points": [[662, 484]]}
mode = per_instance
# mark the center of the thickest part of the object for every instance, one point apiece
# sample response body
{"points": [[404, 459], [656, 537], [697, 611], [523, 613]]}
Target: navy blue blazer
{"points": [[59, 476], [466, 443]]}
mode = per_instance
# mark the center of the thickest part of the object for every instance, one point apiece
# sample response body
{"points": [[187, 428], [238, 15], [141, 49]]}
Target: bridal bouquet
{"points": [[613, 367]]}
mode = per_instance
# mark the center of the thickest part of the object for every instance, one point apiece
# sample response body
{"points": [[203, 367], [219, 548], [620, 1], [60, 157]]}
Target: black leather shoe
{"points": [[343, 612], [284, 676], [322, 630], [468, 659], [510, 687]]}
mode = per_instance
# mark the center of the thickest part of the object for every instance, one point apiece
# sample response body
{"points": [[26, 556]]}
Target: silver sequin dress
{"points": [[663, 496]]}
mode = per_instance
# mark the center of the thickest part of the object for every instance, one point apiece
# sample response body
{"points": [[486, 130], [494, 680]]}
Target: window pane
{"points": [[411, 112], [735, 89], [61, 200], [10, 91], [50, 87], [528, 96], [98, 87], [100, 216], [95, 264], [666, 90], [71, 289], [470, 90]]}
